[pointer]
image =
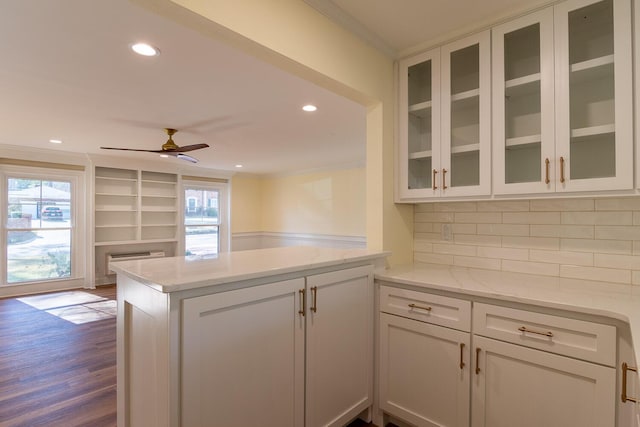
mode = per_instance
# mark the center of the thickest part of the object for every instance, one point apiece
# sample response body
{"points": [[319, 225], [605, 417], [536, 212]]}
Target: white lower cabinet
{"points": [[244, 351], [518, 386], [506, 367], [424, 372]]}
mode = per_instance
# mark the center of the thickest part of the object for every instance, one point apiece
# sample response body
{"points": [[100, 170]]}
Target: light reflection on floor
{"points": [[74, 306]]}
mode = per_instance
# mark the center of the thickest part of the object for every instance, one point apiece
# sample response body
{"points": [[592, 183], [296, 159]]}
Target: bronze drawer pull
{"points": [[562, 169], [412, 306], [624, 396], [525, 330], [433, 181], [303, 302], [314, 292], [546, 171], [461, 355], [477, 360], [444, 185]]}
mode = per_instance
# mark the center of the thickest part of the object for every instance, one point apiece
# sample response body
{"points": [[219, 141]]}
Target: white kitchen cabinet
{"points": [[523, 105], [515, 385], [424, 372], [339, 351], [243, 357], [445, 121], [594, 100], [562, 108]]}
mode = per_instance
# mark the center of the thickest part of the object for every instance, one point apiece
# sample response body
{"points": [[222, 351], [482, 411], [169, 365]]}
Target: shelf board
{"points": [[134, 242], [420, 155], [159, 196], [117, 226], [115, 210], [153, 181], [465, 148], [521, 141], [116, 195], [111, 178], [171, 210], [160, 225], [593, 130], [522, 85], [420, 106], [465, 95], [592, 63]]}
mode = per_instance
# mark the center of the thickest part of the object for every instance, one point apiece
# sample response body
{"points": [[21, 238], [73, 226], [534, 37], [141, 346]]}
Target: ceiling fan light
{"points": [[145, 49]]}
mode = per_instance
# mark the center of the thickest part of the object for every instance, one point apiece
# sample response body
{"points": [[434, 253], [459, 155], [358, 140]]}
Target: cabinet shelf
{"points": [[131, 242], [159, 225], [172, 210], [159, 196], [115, 210], [111, 178], [522, 141], [593, 69], [473, 93], [593, 130], [153, 181], [420, 155], [466, 148], [117, 226], [116, 195], [420, 106], [522, 85], [592, 64]]}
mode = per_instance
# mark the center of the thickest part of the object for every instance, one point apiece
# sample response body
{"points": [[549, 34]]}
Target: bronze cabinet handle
{"points": [[435, 172], [546, 171], [624, 396], [561, 169], [314, 293], [303, 302], [461, 355], [444, 182], [531, 331], [412, 306], [477, 360]]}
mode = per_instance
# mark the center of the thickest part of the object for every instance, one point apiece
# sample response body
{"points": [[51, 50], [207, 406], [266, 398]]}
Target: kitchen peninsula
{"points": [[283, 334]]}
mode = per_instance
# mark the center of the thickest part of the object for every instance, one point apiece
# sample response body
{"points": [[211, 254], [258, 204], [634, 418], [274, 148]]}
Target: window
{"points": [[38, 230], [204, 219]]}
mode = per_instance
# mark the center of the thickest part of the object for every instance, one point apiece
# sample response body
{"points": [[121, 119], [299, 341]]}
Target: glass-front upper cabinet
{"points": [[419, 125], [594, 136], [523, 105], [466, 117]]}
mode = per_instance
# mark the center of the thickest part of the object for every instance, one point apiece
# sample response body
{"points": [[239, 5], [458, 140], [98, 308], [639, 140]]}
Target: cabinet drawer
{"points": [[436, 309], [575, 338]]}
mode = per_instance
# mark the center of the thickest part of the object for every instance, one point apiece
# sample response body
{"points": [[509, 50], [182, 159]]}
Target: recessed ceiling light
{"points": [[145, 49], [238, 166], [55, 141], [164, 155], [309, 108]]}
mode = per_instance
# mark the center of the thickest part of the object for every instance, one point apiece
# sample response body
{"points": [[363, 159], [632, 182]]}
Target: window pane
{"points": [[201, 240], [38, 255], [201, 207], [38, 204]]}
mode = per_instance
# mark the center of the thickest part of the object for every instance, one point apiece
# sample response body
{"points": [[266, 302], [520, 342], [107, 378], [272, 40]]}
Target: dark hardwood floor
{"points": [[56, 373]]}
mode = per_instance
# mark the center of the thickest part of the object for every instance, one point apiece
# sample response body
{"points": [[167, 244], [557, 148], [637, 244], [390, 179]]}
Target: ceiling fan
{"points": [[169, 148]]}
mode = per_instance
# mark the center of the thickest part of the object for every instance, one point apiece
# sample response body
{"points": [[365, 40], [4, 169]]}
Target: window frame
{"points": [[77, 224], [223, 211]]}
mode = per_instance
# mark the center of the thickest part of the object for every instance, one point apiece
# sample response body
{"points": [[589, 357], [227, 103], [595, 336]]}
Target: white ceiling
{"points": [[67, 73]]}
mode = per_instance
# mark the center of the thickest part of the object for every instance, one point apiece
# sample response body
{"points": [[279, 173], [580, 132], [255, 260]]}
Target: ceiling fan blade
{"points": [[186, 148], [187, 158], [132, 149]]}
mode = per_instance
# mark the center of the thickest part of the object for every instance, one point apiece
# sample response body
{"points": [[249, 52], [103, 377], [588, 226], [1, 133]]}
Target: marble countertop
{"points": [[621, 302], [174, 274]]}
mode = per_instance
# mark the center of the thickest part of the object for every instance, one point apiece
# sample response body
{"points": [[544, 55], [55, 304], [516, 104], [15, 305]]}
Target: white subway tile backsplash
{"points": [[503, 253], [595, 273], [504, 229], [598, 218], [478, 217], [504, 206], [562, 257], [615, 232], [562, 205], [571, 231], [551, 243], [527, 267], [584, 239], [593, 246], [531, 217], [474, 262], [453, 249]]}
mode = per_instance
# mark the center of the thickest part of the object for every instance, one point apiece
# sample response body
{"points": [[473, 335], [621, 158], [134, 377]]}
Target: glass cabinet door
{"points": [[594, 147], [419, 125], [523, 109], [466, 112]]}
